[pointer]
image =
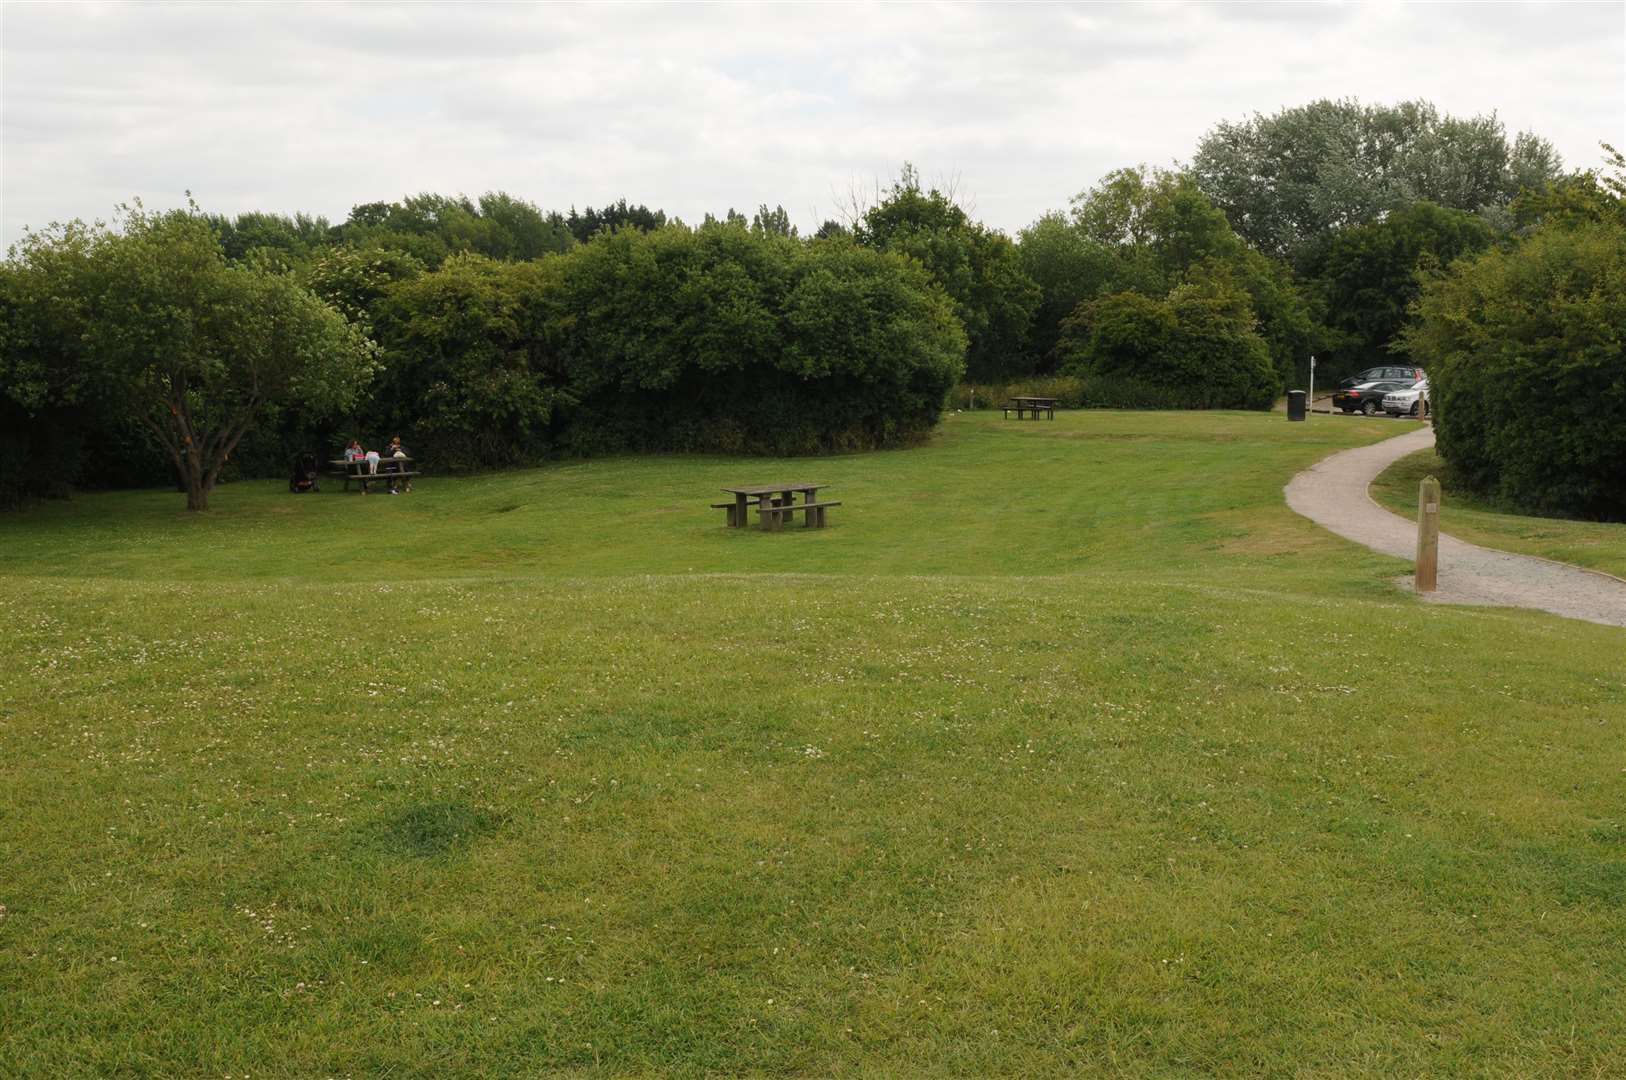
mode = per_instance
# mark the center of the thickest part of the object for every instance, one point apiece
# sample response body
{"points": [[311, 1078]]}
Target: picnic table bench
{"points": [[1033, 405], [389, 470], [775, 503]]}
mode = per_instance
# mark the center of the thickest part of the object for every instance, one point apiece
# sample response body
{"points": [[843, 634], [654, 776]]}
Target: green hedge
{"points": [[716, 339], [1526, 352]]}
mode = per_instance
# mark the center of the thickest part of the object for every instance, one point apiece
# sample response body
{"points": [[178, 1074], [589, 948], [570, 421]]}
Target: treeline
{"points": [[499, 333]]}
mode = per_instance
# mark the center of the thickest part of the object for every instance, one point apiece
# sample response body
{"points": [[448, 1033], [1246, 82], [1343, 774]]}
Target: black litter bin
{"points": [[1295, 404]]}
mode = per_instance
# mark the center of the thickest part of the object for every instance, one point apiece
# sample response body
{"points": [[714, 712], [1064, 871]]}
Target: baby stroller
{"points": [[304, 475]]}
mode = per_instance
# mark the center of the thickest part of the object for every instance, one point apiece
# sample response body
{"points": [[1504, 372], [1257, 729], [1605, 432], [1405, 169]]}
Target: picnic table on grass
{"points": [[389, 469], [1034, 405], [775, 503]]}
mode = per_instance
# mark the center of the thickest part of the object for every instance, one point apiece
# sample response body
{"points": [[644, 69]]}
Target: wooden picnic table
{"points": [[775, 502], [390, 469], [1034, 405]]}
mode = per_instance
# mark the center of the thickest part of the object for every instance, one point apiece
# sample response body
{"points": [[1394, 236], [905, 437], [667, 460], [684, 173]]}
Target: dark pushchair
{"points": [[304, 475]]}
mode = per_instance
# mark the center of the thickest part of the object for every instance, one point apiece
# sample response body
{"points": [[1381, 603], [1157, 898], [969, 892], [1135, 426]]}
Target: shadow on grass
{"points": [[428, 830]]}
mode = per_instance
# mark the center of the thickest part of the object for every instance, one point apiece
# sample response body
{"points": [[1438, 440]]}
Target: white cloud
{"points": [[699, 108]]}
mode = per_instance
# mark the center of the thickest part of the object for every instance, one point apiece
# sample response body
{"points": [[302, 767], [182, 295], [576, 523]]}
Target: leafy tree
{"points": [[979, 269], [430, 227], [296, 239], [1197, 346], [615, 215], [355, 281], [49, 386], [1070, 267], [521, 231], [195, 349], [1366, 278], [1150, 231], [774, 221], [1285, 180], [469, 375], [1582, 197]]}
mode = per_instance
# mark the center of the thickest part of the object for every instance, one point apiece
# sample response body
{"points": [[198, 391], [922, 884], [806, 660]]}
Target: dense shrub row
{"points": [[711, 339], [1526, 350]]}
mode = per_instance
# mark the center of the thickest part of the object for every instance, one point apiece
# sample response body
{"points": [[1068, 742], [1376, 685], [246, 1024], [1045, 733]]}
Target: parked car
{"points": [[1389, 373], [1411, 401], [1366, 398]]}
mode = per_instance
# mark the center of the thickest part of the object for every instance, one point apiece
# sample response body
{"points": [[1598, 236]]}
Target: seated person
{"points": [[397, 454]]}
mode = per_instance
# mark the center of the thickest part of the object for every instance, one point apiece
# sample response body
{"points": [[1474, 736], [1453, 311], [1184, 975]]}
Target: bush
{"points": [[1196, 348], [716, 339], [1528, 366]]}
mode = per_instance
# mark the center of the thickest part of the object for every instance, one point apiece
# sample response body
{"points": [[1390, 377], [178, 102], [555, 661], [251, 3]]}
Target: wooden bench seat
{"points": [[773, 515], [732, 507], [381, 476], [1029, 407]]}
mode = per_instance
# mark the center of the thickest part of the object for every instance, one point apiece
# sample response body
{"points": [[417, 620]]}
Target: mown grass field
{"points": [[1065, 749], [1597, 545]]}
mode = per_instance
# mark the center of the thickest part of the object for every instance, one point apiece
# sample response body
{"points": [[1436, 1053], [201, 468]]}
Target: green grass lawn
{"points": [[1066, 748], [1596, 545]]}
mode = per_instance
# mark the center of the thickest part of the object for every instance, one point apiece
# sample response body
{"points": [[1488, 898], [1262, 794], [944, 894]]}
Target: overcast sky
{"points": [[690, 108]]}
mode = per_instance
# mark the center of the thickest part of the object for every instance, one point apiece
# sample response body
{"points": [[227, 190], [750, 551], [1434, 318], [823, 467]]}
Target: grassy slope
{"points": [[1593, 544], [1065, 747]]}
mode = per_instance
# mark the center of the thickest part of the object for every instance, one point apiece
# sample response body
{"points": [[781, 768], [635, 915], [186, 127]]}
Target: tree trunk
{"points": [[197, 485]]}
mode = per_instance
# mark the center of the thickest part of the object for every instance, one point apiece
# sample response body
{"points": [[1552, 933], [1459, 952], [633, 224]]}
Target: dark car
{"points": [[1368, 397], [1396, 373]]}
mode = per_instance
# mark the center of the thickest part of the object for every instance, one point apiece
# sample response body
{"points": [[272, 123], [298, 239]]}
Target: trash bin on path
{"points": [[1295, 404]]}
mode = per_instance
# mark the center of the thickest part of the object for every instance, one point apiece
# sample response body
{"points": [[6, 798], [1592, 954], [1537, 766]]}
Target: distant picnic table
{"points": [[775, 503], [389, 469], [1033, 405]]}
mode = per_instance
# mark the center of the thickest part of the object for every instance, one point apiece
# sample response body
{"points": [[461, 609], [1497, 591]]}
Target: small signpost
{"points": [[1309, 404], [1428, 534]]}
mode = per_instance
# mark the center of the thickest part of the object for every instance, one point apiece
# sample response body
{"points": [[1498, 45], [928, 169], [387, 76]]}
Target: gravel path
{"points": [[1332, 493]]}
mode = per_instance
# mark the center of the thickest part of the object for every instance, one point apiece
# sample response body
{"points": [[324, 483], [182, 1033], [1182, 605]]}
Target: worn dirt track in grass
{"points": [[1333, 494]]}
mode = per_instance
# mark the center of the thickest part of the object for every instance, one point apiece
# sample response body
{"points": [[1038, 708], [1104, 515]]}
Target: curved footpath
{"points": [[1332, 493]]}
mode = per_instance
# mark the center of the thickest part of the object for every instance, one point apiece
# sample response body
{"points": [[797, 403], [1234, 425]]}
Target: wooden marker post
{"points": [[1428, 534]]}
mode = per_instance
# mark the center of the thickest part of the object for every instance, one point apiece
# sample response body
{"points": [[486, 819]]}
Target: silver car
{"points": [[1413, 401]]}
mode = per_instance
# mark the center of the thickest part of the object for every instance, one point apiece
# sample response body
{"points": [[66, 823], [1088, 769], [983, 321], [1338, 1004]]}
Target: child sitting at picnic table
{"points": [[398, 454]]}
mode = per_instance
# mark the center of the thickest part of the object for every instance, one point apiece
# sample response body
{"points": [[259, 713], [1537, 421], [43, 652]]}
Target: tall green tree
{"points": [[774, 221], [1366, 278], [1070, 267], [619, 214], [431, 227], [1149, 231], [195, 349], [979, 269], [297, 238], [1288, 179]]}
